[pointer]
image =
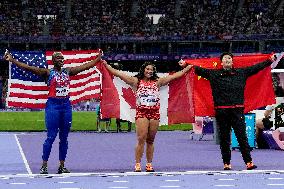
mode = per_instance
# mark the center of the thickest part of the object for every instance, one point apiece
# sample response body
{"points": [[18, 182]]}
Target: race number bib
{"points": [[62, 91], [149, 100]]}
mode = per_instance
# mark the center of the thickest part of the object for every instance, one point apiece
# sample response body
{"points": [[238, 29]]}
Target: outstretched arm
{"points": [[165, 80], [260, 66], [78, 69], [198, 70], [38, 71], [132, 81]]}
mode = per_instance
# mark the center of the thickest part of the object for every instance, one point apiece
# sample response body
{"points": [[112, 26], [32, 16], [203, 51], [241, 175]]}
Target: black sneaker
{"points": [[62, 169], [43, 170]]}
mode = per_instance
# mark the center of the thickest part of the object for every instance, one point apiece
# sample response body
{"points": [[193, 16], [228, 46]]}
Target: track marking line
{"points": [[275, 184], [23, 155], [172, 180], [124, 174], [224, 185], [275, 178], [66, 182], [170, 186], [17, 183], [226, 179]]}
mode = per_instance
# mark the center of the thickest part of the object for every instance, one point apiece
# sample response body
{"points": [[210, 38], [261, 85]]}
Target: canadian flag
{"points": [[118, 99]]}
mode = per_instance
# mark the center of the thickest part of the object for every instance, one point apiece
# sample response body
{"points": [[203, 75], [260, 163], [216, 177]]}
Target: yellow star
{"points": [[199, 77]]}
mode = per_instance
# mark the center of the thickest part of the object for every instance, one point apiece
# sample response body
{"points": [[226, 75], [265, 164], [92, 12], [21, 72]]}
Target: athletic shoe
{"points": [[43, 170], [149, 167], [251, 166], [227, 166], [137, 167], [62, 169]]}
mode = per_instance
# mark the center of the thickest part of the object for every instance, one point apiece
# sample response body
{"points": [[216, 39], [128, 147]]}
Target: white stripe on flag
{"points": [[26, 100], [95, 83], [75, 56], [92, 92], [28, 83], [30, 92]]}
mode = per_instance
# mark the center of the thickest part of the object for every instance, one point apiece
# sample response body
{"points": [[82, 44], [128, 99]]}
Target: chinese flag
{"points": [[258, 92]]}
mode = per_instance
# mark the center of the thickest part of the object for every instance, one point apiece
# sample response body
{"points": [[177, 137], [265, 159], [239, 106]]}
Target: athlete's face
{"points": [[227, 62], [149, 71], [58, 60], [182, 63]]}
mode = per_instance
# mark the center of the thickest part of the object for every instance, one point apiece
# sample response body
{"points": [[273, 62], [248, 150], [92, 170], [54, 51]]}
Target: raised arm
{"points": [[198, 70], [260, 66], [165, 80], [78, 69], [132, 81], [38, 71]]}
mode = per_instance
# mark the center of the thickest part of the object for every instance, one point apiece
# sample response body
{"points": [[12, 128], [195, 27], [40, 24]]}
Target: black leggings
{"points": [[226, 119]]}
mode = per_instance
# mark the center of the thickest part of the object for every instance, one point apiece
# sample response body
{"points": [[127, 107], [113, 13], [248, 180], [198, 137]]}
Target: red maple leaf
{"points": [[129, 96]]}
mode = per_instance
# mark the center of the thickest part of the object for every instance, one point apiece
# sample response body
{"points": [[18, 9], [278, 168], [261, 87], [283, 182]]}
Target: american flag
{"points": [[28, 90]]}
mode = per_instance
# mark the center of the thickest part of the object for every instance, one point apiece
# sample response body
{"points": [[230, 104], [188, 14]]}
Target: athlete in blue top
{"points": [[58, 111]]}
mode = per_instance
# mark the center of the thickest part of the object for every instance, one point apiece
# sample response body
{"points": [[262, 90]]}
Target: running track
{"points": [[105, 160]]}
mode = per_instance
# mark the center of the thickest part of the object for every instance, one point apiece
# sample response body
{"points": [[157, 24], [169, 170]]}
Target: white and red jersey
{"points": [[148, 95], [59, 83]]}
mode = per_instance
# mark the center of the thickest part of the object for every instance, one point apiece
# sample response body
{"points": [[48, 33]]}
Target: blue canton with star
{"points": [[31, 58]]}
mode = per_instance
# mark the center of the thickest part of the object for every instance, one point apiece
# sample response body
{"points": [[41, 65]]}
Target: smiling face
{"points": [[149, 71], [182, 63], [58, 59], [227, 61]]}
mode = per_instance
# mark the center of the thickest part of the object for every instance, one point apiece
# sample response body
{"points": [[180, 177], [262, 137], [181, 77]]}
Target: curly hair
{"points": [[141, 75]]}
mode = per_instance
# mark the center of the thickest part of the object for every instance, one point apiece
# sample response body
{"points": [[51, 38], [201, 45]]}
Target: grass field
{"points": [[82, 121]]}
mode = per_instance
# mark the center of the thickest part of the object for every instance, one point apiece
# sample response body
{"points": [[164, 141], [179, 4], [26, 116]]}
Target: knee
{"points": [[141, 139], [63, 138], [150, 140], [50, 139]]}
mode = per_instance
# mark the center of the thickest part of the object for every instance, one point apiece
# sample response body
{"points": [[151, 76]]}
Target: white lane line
{"points": [[23, 155], [65, 182], [275, 184], [224, 185], [18, 183], [172, 180], [123, 174], [275, 178], [226, 179], [70, 188], [121, 181], [118, 187], [170, 186], [62, 177]]}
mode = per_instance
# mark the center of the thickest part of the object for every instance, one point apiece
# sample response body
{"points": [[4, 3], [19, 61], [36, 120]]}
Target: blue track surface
{"points": [[105, 160], [11, 161]]}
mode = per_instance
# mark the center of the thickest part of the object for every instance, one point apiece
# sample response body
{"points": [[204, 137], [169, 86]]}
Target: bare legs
{"points": [[146, 131]]}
